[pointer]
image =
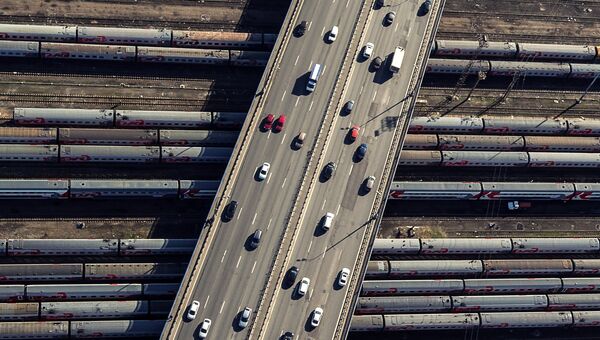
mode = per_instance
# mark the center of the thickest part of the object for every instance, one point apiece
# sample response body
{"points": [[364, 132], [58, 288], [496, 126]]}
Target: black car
{"points": [[389, 18], [288, 336], [361, 151], [255, 241], [230, 210], [426, 7], [349, 106], [329, 170], [301, 28], [291, 275], [379, 3], [377, 62]]}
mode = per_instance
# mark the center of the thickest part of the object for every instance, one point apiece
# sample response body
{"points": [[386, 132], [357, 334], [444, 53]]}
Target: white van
{"points": [[313, 78], [327, 221]]}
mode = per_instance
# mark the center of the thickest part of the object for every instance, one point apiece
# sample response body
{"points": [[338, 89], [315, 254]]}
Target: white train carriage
{"points": [[169, 119], [157, 247], [435, 190], [584, 70], [12, 293], [103, 291], [411, 287], [82, 310], [197, 189], [228, 120], [551, 245], [564, 160], [195, 154], [445, 125], [74, 117], [526, 190], [435, 268], [40, 272], [584, 126], [573, 301], [466, 246], [525, 319], [403, 304], [586, 267], [420, 142], [529, 69], [457, 66], [527, 267], [35, 330], [366, 323], [107, 136], [26, 135], [60, 247], [118, 154], [378, 269], [125, 36], [160, 289], [533, 51], [475, 48], [127, 329], [133, 271], [89, 188], [483, 303], [34, 188], [38, 32], [174, 55], [420, 157], [18, 311], [13, 49], [249, 58], [87, 52], [207, 39], [580, 284], [563, 143], [28, 153], [198, 138], [586, 318], [396, 246], [476, 142], [587, 191], [483, 158], [408, 322], [525, 125], [503, 286]]}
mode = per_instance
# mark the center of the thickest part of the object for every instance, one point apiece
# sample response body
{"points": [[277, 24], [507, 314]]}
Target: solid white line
{"points": [[268, 225], [323, 31], [285, 179], [269, 178], [254, 219], [309, 245], [253, 267], [221, 310], [205, 303], [283, 95], [323, 206], [238, 262], [324, 67], [310, 106], [283, 139], [240, 213], [361, 89], [297, 99], [347, 2], [351, 167], [337, 211], [222, 258], [309, 25], [298, 57], [374, 94]]}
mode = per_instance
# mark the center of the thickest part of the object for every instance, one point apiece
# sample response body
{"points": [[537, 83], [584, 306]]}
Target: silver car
{"points": [[245, 317], [316, 317]]}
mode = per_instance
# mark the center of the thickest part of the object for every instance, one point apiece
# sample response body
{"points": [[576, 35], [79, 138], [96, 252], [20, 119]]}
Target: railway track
{"points": [[546, 38], [518, 16]]}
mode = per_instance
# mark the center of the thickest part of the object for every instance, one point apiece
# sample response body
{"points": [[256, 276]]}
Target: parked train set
{"points": [[96, 247], [124, 329]]}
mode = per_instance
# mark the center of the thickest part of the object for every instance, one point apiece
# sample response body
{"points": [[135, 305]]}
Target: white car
{"points": [[332, 34], [316, 317], [193, 310], [303, 286], [343, 277], [245, 317], [368, 50], [204, 328], [264, 171]]}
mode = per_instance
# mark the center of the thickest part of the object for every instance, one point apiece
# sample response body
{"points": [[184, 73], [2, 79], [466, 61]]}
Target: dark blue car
{"points": [[361, 151]]}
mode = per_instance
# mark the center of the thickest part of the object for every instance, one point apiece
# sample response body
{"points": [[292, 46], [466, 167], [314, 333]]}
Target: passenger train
{"points": [[130, 329]]}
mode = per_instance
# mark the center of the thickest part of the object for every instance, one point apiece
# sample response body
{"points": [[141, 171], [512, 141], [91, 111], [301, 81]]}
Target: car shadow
{"points": [[300, 85], [322, 177], [384, 74], [293, 144], [247, 243], [294, 295], [326, 38], [319, 231], [362, 189], [372, 67], [360, 58], [348, 140], [235, 324], [355, 157], [307, 326]]}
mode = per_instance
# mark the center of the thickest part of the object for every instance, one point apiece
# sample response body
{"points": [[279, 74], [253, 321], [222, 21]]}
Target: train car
{"points": [[526, 190], [40, 272], [483, 303], [28, 153], [418, 157], [435, 268], [19, 49], [34, 330], [573, 301], [25, 135], [476, 142], [62, 247], [156, 247], [162, 119], [396, 246], [113, 153], [378, 269], [84, 310], [191, 189], [525, 319], [587, 267], [65, 117], [564, 160], [228, 120], [410, 322], [194, 154], [525, 125], [483, 158], [586, 191], [529, 69], [107, 137], [103, 291], [580, 284], [174, 55], [24, 311], [544, 143], [551, 245], [457, 66], [125, 36], [534, 51], [403, 304], [446, 125], [160, 290], [206, 39], [420, 142], [34, 188], [269, 39], [89, 188], [87, 52], [63, 33], [366, 323], [484, 49], [466, 246], [198, 138], [133, 271], [435, 190], [160, 307], [503, 286], [586, 319], [527, 267], [411, 287], [116, 329], [584, 126], [12, 293], [248, 58], [584, 71]]}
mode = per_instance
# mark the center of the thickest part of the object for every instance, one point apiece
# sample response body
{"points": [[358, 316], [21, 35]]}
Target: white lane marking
{"points": [[337, 211], [254, 219], [283, 95], [374, 95], [324, 67], [221, 310], [297, 99], [283, 139], [268, 134], [333, 2], [350, 172], [324, 253], [310, 66], [285, 179], [205, 303], [268, 225], [396, 28], [253, 266], [238, 262], [347, 2], [240, 214], [310, 106], [311, 292], [222, 258], [387, 101], [361, 89], [323, 206], [309, 245], [296, 62], [323, 31], [269, 178], [309, 24]]}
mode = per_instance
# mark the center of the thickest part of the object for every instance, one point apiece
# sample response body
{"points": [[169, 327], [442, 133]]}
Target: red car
{"points": [[279, 124], [354, 132], [268, 122]]}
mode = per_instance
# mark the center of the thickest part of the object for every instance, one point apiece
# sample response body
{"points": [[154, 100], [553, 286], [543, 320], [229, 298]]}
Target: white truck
{"points": [[397, 59]]}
